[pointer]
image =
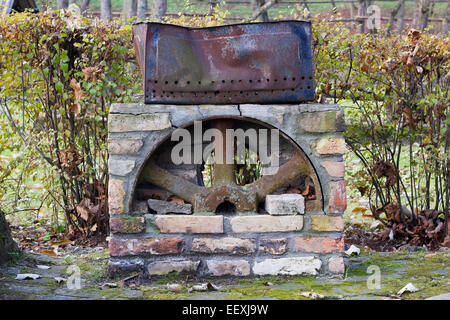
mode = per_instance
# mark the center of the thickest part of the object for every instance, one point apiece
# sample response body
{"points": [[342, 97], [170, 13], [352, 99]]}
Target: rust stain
{"points": [[242, 63]]}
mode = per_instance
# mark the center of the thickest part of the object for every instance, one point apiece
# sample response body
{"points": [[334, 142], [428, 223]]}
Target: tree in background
{"points": [[420, 14], [129, 8], [62, 4], [446, 21], [258, 13], [399, 12], [141, 9], [7, 244], [159, 8], [84, 5], [105, 10]]}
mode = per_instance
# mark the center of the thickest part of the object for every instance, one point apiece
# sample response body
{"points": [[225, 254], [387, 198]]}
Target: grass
{"points": [[244, 10], [428, 273]]}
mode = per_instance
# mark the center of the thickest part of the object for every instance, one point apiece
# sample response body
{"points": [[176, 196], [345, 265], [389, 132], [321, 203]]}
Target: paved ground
{"points": [[428, 272]]}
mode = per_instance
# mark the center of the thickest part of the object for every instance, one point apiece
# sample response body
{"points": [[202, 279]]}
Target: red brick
{"points": [[319, 245], [223, 245], [154, 246], [338, 196]]}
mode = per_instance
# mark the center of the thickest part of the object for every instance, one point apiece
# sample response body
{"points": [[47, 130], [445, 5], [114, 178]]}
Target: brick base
{"points": [[296, 237]]}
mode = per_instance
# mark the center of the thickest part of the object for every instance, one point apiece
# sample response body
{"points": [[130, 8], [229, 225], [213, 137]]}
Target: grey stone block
{"points": [[165, 207], [285, 204]]}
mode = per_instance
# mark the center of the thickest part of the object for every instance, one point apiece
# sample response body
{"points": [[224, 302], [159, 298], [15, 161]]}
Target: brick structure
{"points": [[274, 242]]}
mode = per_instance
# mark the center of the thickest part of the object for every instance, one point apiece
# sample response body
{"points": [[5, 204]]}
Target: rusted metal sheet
{"points": [[243, 63]]}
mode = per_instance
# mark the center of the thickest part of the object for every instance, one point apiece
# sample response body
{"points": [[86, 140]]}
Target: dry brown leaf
{"points": [[176, 200], [75, 85], [91, 72], [48, 252], [75, 108], [359, 210], [83, 212], [61, 243], [306, 191], [414, 35]]}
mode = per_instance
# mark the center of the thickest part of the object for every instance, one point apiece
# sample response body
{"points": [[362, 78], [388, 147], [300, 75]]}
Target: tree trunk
{"points": [[62, 4], [84, 6], [7, 244], [420, 14], [141, 9], [446, 21], [304, 4], [212, 7], [105, 10], [129, 8], [256, 5], [159, 8], [426, 12], [362, 12], [394, 13], [401, 18]]}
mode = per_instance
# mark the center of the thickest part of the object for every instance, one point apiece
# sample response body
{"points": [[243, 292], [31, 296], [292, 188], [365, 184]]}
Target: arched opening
{"points": [[226, 208], [187, 181]]}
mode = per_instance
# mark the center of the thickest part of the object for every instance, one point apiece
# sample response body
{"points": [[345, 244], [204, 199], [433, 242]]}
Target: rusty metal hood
{"points": [[242, 63]]}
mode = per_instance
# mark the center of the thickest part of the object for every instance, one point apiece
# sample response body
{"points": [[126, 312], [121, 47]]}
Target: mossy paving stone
{"points": [[428, 272]]}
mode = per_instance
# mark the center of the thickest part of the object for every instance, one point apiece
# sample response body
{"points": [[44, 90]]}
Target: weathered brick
{"points": [[223, 245], [335, 169], [266, 223], [338, 196], [288, 266], [313, 205], [120, 167], [116, 195], [140, 207], [273, 246], [340, 121], [327, 223], [330, 145], [318, 244], [166, 207], [285, 204], [189, 224], [140, 122], [154, 246], [336, 265], [124, 146], [166, 267], [127, 224], [319, 121], [228, 267], [124, 266]]}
